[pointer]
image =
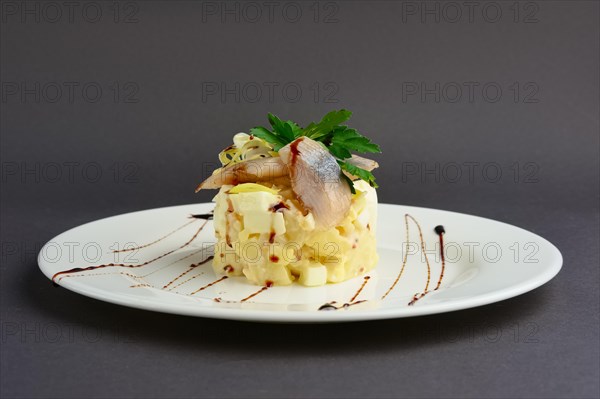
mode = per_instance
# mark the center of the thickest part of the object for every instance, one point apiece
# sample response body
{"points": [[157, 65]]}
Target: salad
{"points": [[295, 204]]}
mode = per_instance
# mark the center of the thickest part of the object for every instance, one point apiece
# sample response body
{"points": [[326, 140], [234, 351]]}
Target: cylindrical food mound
{"points": [[266, 235]]}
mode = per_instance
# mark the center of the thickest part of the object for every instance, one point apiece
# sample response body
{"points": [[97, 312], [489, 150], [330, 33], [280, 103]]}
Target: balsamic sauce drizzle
{"points": [[404, 260], [194, 276], [295, 152], [416, 297], [155, 241], [83, 269], [141, 285], [209, 285], [105, 274], [205, 216], [424, 252], [262, 289], [168, 265], [191, 267], [440, 231], [268, 284], [365, 281], [332, 306]]}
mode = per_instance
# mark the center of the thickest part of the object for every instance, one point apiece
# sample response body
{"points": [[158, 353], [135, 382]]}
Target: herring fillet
{"points": [[316, 180], [363, 163], [260, 169]]}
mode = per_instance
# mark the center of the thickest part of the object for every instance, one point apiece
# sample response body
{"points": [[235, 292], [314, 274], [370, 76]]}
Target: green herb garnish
{"points": [[340, 140]]}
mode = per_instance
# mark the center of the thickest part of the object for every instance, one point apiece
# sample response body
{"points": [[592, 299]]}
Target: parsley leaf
{"points": [[281, 128], [269, 137], [352, 140], [327, 124]]}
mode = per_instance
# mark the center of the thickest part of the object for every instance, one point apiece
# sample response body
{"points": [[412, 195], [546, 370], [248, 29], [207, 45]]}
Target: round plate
{"points": [[165, 266]]}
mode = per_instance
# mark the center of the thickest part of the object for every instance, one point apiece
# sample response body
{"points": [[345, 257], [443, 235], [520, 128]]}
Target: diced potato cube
{"points": [[313, 275]]}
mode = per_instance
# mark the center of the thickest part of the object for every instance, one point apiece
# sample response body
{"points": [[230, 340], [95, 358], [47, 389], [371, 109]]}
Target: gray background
{"points": [[59, 344]]}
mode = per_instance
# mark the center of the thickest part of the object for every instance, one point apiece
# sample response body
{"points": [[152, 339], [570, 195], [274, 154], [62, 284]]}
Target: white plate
{"points": [[486, 261]]}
